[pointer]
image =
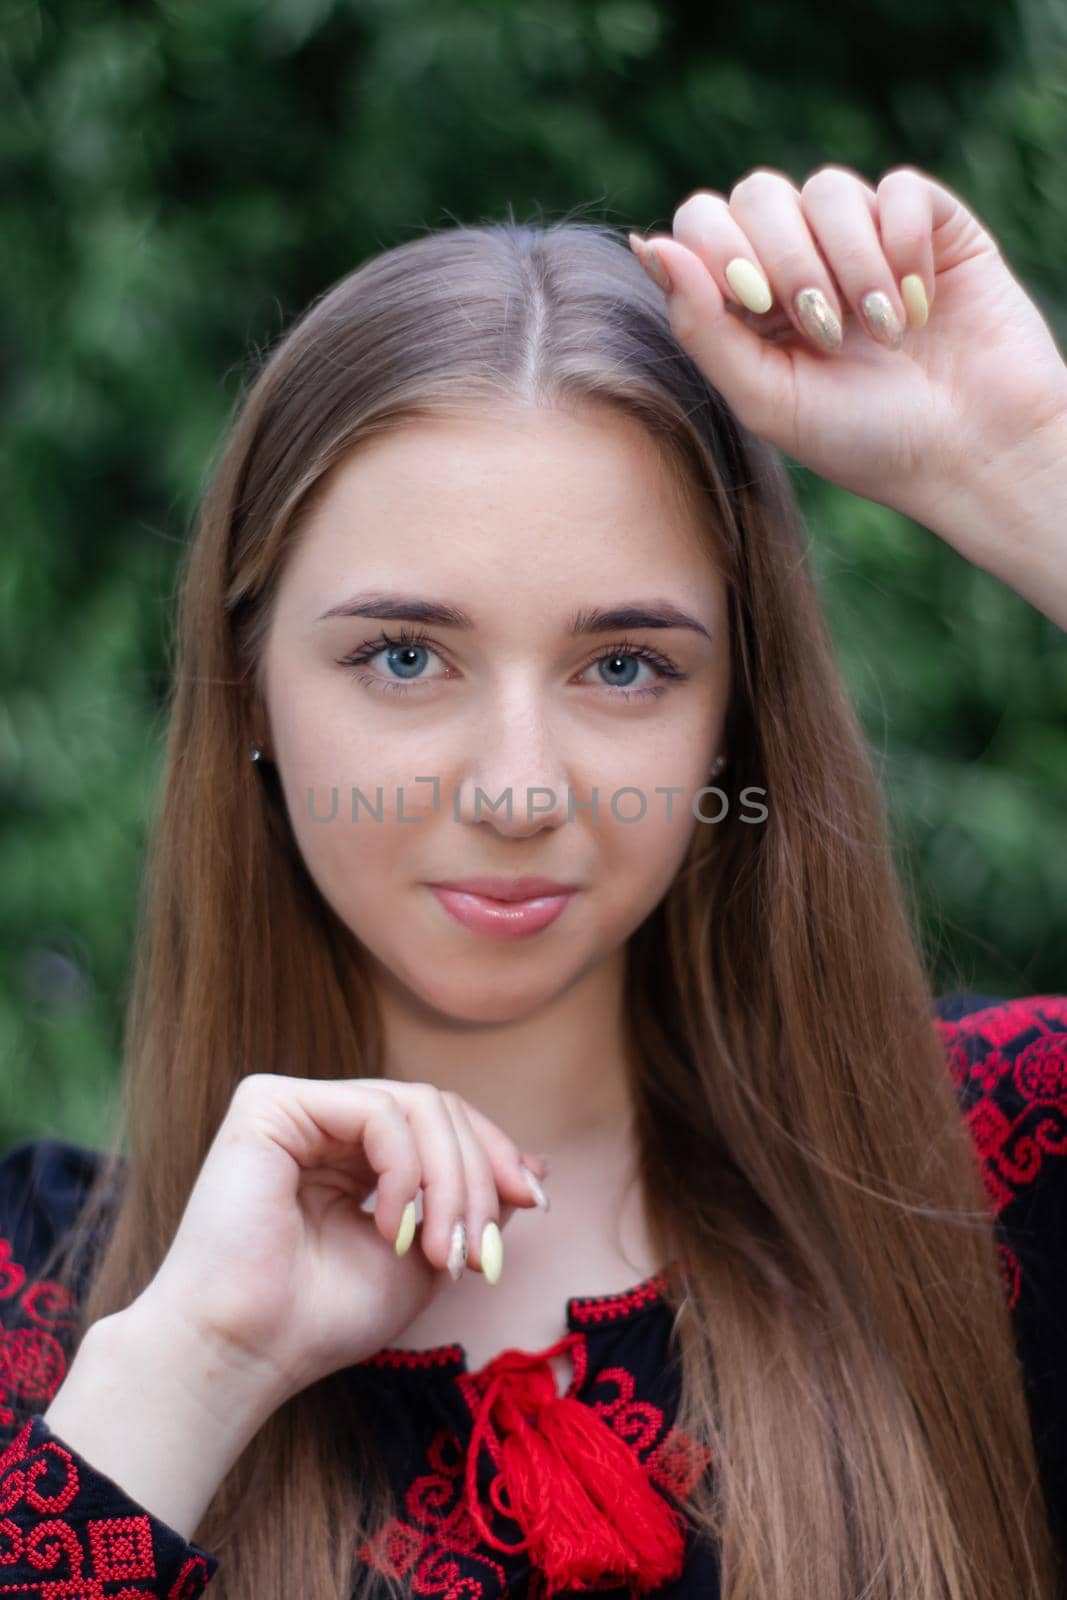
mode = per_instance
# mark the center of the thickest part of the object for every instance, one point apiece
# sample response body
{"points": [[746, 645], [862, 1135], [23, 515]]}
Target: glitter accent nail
{"points": [[534, 1186], [817, 318], [457, 1250], [651, 260], [882, 320]]}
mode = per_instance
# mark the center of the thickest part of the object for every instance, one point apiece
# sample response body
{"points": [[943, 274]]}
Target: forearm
{"points": [[1010, 513], [161, 1413]]}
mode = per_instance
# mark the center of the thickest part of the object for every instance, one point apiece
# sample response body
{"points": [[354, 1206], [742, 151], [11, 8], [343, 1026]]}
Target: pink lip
{"points": [[501, 919], [508, 888]]}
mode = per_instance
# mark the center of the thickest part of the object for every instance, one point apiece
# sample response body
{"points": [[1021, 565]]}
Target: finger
{"points": [[905, 201], [483, 1200], [444, 1171], [754, 376], [766, 205], [505, 1157], [710, 230], [320, 1121], [841, 212], [502, 1153], [389, 1146], [464, 1116]]}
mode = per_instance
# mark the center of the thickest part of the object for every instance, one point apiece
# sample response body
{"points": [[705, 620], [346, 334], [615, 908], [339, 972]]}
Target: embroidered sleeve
{"points": [[1009, 1063], [65, 1528]]}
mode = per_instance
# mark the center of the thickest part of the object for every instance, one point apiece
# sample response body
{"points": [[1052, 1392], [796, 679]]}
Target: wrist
{"points": [[224, 1381], [1007, 513], [161, 1416]]}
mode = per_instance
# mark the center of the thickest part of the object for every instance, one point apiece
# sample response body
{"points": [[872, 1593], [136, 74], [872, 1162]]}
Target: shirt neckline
{"points": [[581, 1313]]}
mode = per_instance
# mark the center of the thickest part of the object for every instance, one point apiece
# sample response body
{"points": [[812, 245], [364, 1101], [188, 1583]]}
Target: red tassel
{"points": [[589, 1513]]}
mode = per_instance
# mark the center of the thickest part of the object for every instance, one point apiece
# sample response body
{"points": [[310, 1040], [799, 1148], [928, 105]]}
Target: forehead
{"points": [[534, 501]]}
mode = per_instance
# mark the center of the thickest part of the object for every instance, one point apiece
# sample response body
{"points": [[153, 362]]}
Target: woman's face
{"points": [[525, 526]]}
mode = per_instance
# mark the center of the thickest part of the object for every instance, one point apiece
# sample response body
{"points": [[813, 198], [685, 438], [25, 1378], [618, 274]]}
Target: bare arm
{"points": [[1014, 504], [161, 1412]]}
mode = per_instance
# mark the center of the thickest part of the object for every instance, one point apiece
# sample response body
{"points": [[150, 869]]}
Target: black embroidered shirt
{"points": [[68, 1532]]}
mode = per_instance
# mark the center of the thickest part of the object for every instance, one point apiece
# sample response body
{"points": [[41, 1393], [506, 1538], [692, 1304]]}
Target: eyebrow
{"points": [[389, 606]]}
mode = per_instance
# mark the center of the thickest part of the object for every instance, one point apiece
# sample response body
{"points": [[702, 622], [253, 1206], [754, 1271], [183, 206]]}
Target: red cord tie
{"points": [[585, 1504]]}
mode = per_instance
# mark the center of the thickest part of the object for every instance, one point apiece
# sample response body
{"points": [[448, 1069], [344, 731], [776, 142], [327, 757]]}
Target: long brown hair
{"points": [[846, 1347]]}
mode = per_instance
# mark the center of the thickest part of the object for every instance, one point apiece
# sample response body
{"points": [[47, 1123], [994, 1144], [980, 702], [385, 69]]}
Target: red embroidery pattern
{"points": [[1009, 1066], [594, 1308], [76, 1555], [435, 1528], [441, 1355], [425, 1540], [1014, 1052], [45, 1479], [610, 1307], [33, 1357]]}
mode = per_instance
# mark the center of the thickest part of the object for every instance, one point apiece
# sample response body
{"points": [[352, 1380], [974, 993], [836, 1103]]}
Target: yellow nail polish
{"points": [[406, 1231], [492, 1252], [749, 284], [913, 295]]}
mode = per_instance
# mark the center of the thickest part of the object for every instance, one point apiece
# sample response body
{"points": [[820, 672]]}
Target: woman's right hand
{"points": [[276, 1261]]}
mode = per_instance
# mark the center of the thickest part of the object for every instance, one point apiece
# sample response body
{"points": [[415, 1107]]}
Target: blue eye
{"points": [[627, 662], [397, 652], [407, 654]]}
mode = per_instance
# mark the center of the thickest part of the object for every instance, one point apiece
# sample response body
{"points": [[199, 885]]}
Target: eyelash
{"points": [[625, 647]]}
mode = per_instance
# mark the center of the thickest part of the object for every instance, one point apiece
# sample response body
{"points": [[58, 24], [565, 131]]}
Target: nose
{"points": [[515, 784]]}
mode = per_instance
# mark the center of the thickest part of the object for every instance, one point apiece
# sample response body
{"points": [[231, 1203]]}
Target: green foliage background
{"points": [[181, 178]]}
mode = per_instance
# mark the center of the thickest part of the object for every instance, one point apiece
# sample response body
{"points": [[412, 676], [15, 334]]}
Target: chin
{"points": [[475, 996]]}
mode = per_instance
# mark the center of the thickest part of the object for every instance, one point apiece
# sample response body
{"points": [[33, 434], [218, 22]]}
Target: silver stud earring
{"points": [[257, 754], [717, 765]]}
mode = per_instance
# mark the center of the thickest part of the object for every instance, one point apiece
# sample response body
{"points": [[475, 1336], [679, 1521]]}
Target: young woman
{"points": [[518, 835]]}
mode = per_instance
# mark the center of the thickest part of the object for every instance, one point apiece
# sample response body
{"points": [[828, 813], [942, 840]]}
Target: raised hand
{"points": [[972, 378], [276, 1261]]}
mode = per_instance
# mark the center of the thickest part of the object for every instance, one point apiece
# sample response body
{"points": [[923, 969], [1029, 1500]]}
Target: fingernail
{"points": [[492, 1252], [457, 1250], [881, 319], [650, 259], [749, 284], [534, 1186], [913, 295], [406, 1231], [817, 318]]}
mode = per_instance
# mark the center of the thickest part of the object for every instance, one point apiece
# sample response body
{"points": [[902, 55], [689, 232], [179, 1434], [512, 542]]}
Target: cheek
{"points": [[329, 745], [324, 738], [637, 861], [355, 865], [643, 856], [646, 806]]}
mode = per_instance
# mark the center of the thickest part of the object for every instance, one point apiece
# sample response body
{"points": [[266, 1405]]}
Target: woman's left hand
{"points": [[918, 424]]}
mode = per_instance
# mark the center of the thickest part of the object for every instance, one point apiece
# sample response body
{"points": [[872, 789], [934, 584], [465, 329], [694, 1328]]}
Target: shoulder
{"points": [[43, 1185], [1008, 1060], [54, 1497]]}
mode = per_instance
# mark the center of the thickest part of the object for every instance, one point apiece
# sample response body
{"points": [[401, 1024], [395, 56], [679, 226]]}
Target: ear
{"points": [[258, 726]]}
